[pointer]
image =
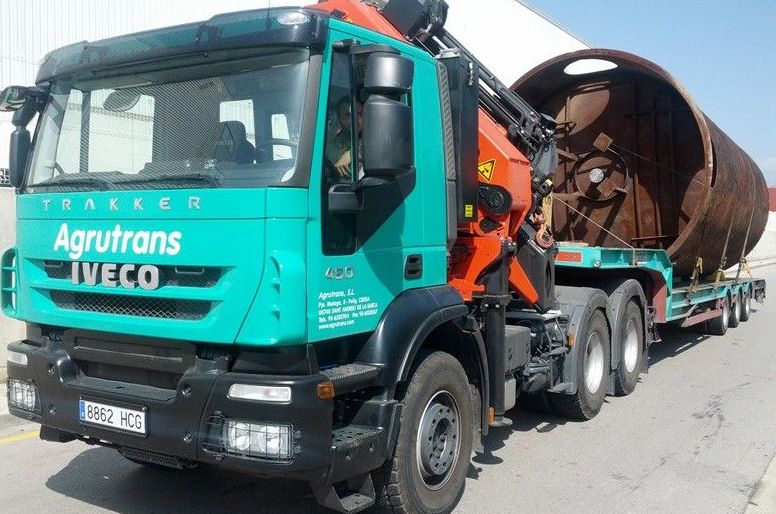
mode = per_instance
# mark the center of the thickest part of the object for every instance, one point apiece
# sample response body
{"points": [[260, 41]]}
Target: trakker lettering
{"points": [[128, 276], [117, 241], [164, 204]]}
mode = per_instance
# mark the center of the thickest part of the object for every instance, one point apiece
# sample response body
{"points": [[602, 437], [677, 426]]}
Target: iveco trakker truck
{"points": [[309, 243]]}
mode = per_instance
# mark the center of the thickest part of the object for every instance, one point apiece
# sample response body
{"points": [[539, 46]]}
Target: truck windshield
{"points": [[227, 124]]}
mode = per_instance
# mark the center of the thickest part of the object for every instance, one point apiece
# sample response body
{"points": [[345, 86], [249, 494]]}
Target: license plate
{"points": [[128, 420]]}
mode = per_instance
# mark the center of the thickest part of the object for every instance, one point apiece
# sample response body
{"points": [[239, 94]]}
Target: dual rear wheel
{"points": [[593, 363], [735, 309]]}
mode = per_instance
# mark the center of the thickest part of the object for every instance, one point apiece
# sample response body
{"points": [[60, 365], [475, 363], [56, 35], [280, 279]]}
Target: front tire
{"points": [[434, 445], [592, 371]]}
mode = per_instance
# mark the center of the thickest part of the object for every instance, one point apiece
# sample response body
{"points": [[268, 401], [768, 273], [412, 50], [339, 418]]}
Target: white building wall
{"points": [[508, 36], [766, 246]]}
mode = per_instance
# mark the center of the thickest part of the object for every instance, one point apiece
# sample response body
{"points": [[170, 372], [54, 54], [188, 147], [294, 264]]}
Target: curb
{"points": [[763, 498], [753, 265]]}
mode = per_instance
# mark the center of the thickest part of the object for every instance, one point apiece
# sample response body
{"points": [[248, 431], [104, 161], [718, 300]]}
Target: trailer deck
{"points": [[674, 299]]}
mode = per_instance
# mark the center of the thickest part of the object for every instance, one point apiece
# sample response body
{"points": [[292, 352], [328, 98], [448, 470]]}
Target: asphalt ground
{"points": [[696, 436]]}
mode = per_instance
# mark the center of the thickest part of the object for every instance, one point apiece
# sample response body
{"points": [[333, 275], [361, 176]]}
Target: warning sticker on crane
{"points": [[486, 169]]}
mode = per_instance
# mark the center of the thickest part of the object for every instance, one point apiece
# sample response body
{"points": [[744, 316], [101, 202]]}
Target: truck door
{"points": [[358, 263]]}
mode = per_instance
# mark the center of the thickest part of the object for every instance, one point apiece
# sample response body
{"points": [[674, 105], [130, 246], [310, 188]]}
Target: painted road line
{"points": [[17, 437]]}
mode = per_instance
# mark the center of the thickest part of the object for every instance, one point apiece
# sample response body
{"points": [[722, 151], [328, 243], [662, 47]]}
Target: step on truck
{"points": [[309, 243]]}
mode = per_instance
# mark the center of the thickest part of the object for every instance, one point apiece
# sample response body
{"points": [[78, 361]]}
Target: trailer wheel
{"points": [[718, 326], [434, 445], [631, 351], [592, 368], [735, 314], [746, 305]]}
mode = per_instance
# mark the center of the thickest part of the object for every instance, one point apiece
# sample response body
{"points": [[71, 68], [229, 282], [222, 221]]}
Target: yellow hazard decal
{"points": [[486, 169]]}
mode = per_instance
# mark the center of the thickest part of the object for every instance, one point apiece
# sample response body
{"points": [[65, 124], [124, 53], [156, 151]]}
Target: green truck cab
{"points": [[179, 256]]}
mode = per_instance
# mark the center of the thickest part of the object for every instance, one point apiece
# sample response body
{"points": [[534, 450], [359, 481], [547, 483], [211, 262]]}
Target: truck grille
{"points": [[163, 308], [180, 276]]}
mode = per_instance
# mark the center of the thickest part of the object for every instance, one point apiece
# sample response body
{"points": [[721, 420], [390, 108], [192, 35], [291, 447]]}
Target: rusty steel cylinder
{"points": [[641, 166]]}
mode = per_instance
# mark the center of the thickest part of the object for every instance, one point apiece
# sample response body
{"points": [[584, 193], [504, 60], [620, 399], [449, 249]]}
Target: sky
{"points": [[722, 51]]}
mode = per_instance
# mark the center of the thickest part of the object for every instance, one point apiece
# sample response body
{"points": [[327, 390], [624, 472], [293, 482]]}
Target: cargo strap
{"points": [[696, 275], [633, 258], [746, 237], [720, 275]]}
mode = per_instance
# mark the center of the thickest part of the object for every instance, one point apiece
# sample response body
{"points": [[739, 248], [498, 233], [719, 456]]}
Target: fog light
{"points": [[274, 394], [23, 395], [17, 358], [258, 440]]}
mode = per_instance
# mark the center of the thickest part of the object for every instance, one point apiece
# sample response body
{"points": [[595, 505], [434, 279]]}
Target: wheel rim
{"points": [[725, 313], [438, 442], [630, 348], [594, 362]]}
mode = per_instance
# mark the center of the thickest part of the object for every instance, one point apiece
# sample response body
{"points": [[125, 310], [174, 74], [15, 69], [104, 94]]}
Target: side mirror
{"points": [[387, 134], [17, 99], [13, 97], [17, 158]]}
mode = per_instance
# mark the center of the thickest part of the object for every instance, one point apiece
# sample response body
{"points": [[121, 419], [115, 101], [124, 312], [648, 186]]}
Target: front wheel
{"points": [[433, 449]]}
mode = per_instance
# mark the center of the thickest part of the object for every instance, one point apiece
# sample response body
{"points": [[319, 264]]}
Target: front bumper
{"points": [[186, 422]]}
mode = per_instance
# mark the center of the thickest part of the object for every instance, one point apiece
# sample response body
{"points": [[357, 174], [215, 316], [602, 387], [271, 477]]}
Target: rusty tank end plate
{"points": [[642, 166]]}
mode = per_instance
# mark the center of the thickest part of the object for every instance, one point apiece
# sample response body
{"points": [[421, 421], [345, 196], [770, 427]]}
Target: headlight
{"points": [[258, 440]]}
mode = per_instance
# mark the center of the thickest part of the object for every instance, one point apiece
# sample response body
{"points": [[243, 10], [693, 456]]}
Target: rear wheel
{"points": [[735, 311], [592, 369], [631, 351], [433, 449], [746, 305], [718, 326]]}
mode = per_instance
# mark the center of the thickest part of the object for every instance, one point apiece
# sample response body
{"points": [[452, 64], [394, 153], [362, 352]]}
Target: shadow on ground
{"points": [[531, 415], [103, 478]]}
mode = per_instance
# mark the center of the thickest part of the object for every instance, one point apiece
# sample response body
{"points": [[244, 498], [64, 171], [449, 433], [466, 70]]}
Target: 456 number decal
{"points": [[339, 272]]}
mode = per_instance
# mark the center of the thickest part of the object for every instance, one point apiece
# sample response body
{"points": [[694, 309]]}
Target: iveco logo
{"points": [[114, 204], [128, 276]]}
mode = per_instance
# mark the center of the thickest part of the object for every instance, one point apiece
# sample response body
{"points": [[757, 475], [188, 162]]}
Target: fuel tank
{"points": [[642, 166]]}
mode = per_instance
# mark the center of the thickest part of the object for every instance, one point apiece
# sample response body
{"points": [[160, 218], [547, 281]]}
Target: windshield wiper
{"points": [[77, 179], [181, 177]]}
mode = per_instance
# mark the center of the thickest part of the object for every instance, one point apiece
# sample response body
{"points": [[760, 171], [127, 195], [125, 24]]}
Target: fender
{"points": [[406, 323], [404, 327], [578, 303]]}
